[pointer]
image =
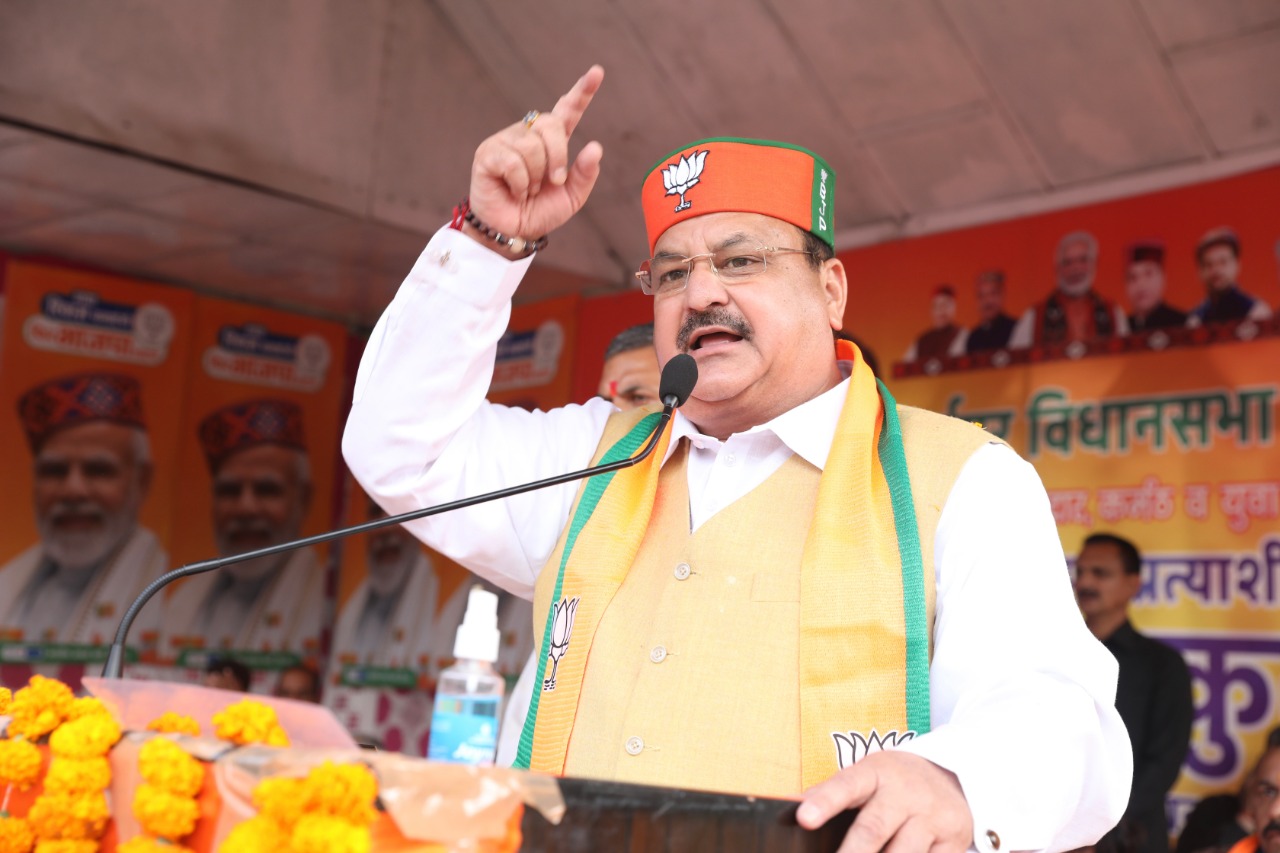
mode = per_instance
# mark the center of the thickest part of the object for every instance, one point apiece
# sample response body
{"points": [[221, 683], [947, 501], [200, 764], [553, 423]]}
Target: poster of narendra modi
{"points": [[258, 448], [91, 379]]}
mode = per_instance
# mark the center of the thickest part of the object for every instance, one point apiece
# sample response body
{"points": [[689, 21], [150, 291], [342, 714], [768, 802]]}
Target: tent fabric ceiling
{"points": [[298, 153]]}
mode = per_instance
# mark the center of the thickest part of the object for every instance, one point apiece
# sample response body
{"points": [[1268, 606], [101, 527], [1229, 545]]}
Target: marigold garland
{"points": [[171, 722], [77, 776], [168, 766], [39, 708], [20, 763], [321, 833], [56, 817], [330, 810], [88, 737], [15, 835], [165, 814], [86, 706], [6, 696], [249, 722]]}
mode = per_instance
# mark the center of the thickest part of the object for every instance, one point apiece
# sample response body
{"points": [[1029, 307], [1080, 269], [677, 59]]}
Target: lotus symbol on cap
{"points": [[561, 630], [681, 177], [852, 747]]}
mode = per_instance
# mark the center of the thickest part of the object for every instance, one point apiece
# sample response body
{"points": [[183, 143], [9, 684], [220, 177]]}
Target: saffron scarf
{"points": [[864, 625]]}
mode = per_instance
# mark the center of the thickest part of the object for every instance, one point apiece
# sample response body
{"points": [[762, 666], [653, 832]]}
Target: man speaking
{"points": [[806, 589]]}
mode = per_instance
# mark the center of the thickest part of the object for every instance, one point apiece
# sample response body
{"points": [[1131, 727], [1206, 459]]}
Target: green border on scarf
{"points": [[625, 447]]}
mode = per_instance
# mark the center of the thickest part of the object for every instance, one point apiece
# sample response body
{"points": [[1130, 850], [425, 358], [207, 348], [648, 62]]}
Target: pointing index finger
{"points": [[574, 103]]}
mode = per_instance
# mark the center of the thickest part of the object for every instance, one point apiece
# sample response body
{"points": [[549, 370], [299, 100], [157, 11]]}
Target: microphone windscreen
{"points": [[678, 378]]}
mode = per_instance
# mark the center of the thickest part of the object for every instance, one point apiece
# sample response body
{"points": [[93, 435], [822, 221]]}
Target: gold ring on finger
{"points": [[529, 118]]}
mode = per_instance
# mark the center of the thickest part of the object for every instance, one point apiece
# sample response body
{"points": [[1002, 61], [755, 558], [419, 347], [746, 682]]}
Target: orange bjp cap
{"points": [[734, 175]]}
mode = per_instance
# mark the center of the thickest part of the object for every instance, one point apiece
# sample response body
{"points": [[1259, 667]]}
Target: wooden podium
{"points": [[641, 819]]}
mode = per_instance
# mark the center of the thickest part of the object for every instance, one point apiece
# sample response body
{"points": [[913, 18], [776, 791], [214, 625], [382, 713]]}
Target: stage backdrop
{"points": [[1165, 436], [97, 363], [257, 459]]}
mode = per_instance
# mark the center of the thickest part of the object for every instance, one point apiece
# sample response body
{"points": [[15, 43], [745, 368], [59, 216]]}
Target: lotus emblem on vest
{"points": [[561, 630], [852, 747], [681, 177]]}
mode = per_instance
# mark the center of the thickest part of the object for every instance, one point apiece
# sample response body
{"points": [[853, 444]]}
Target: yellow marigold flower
{"points": [[65, 845], [164, 814], [147, 844], [70, 817], [87, 737], [77, 776], [256, 835], [171, 722], [86, 706], [345, 791], [38, 708], [6, 696], [248, 722], [15, 835], [321, 833], [166, 765], [20, 763], [282, 800], [276, 736]]}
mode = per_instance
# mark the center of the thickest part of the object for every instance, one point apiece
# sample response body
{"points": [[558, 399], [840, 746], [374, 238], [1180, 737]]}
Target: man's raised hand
{"points": [[522, 183]]}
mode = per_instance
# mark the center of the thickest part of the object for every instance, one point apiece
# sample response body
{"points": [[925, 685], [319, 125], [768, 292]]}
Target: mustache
{"points": [[717, 316], [65, 509], [1086, 593], [1274, 826], [237, 526]]}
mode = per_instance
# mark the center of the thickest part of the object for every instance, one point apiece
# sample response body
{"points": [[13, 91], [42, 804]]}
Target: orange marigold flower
{"points": [[247, 722], [86, 706], [166, 765], [6, 696], [171, 722], [77, 776], [345, 791], [38, 708], [164, 814], [69, 817], [15, 835], [20, 763], [256, 835], [282, 800], [321, 833], [87, 737]]}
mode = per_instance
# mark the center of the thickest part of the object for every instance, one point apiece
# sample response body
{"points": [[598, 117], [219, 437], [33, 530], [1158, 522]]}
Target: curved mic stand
{"points": [[114, 665]]}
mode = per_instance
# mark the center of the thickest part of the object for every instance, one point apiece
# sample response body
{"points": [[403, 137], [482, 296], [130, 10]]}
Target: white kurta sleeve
{"points": [[420, 432], [1022, 695]]}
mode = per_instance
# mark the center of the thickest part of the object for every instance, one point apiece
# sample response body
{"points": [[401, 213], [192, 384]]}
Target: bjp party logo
{"points": [[681, 177], [561, 631], [852, 747]]}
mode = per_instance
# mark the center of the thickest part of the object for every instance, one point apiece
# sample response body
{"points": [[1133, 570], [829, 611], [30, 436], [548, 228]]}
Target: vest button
{"points": [[658, 654], [635, 745], [683, 571]]}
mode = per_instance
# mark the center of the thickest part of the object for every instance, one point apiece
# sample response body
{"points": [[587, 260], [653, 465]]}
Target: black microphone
{"points": [[678, 378]]}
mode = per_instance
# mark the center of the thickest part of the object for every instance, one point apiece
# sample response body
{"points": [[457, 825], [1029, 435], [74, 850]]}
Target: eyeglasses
{"points": [[667, 275]]}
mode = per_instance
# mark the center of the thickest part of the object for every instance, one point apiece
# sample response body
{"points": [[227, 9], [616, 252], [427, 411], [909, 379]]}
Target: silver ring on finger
{"points": [[529, 118]]}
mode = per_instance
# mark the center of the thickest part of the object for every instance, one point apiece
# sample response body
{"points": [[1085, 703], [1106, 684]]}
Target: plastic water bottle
{"points": [[468, 709]]}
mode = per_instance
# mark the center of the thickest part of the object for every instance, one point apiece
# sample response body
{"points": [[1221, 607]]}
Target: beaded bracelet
{"points": [[519, 245]]}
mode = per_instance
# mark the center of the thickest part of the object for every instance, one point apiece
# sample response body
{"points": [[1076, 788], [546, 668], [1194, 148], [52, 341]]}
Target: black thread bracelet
{"points": [[519, 245]]}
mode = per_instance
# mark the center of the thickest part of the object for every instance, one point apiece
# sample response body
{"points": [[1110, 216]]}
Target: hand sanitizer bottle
{"points": [[468, 708]]}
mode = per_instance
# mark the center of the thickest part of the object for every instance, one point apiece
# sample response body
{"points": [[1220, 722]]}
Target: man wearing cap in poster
{"points": [[92, 473], [806, 589], [1074, 312], [257, 457], [1218, 260], [1144, 284]]}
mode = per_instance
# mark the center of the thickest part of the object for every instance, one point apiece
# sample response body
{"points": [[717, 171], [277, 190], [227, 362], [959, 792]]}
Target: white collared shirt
{"points": [[1020, 691]]}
